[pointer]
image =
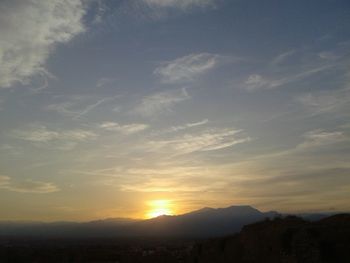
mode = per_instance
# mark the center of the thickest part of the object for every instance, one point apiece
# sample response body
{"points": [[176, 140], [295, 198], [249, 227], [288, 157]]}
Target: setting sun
{"points": [[159, 208]]}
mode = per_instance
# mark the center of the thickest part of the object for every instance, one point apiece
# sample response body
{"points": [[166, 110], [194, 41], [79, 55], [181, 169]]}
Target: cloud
{"points": [[180, 127], [179, 4], [318, 138], [11, 150], [59, 139], [77, 106], [330, 101], [125, 129], [259, 82], [328, 55], [103, 82], [282, 57], [91, 107], [316, 141], [27, 186], [29, 32], [210, 140], [100, 10], [160, 102], [186, 126], [2, 101], [295, 65], [43, 134], [4, 180], [321, 187], [187, 68], [255, 82], [160, 177]]}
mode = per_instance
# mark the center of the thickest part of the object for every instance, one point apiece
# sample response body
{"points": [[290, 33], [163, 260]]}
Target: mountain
{"points": [[281, 239], [290, 239], [317, 216], [206, 222]]}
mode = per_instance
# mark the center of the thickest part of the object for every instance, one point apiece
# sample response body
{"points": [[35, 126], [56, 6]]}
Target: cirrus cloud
{"points": [[40, 135], [160, 102], [209, 140], [180, 4], [318, 138], [124, 129], [27, 186], [187, 68], [29, 32]]}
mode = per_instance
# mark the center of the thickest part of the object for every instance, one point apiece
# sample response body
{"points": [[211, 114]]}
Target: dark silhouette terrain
{"points": [[275, 238], [289, 240], [203, 223]]}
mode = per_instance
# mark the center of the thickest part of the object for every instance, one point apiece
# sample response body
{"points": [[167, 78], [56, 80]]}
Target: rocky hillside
{"points": [[289, 240]]}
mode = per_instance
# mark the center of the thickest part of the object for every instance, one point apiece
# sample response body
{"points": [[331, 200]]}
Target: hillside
{"points": [[290, 240]]}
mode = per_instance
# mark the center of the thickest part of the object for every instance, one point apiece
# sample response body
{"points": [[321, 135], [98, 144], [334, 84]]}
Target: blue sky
{"points": [[108, 105]]}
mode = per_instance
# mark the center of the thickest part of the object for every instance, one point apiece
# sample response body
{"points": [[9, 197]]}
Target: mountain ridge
{"points": [[205, 222]]}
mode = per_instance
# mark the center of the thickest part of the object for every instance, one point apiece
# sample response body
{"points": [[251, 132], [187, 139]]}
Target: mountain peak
{"points": [[242, 208], [236, 208], [205, 222], [202, 210]]}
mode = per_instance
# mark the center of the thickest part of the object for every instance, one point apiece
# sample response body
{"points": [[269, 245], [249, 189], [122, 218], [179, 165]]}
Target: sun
{"points": [[159, 208]]}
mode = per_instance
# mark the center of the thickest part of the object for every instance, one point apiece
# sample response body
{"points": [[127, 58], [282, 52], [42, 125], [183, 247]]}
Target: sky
{"points": [[117, 108]]}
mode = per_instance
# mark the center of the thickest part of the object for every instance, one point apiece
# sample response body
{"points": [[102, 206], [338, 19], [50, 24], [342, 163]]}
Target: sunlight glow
{"points": [[159, 208]]}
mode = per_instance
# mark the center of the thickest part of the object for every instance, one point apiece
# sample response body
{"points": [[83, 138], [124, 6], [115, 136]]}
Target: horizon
{"points": [[295, 213], [140, 108]]}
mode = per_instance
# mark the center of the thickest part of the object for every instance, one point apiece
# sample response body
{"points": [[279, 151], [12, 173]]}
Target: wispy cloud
{"points": [[63, 108], [2, 100], [170, 177], [11, 150], [91, 107], [297, 66], [328, 55], [184, 126], [27, 186], [180, 127], [282, 57], [43, 134], [60, 139], [124, 129], [210, 140], [318, 138], [330, 101], [160, 102], [77, 106], [29, 32], [259, 82], [187, 68], [102, 82], [100, 11], [180, 4]]}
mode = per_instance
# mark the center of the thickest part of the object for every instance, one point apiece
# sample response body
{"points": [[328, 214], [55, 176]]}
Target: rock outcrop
{"points": [[287, 240]]}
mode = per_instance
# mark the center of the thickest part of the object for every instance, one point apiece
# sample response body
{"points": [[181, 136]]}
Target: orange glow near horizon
{"points": [[159, 208]]}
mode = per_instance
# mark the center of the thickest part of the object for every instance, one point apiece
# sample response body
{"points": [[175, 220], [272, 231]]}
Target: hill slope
{"points": [[207, 222], [281, 240]]}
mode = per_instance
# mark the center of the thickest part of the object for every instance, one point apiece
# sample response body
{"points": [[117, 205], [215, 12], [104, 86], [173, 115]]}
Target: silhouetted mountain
{"points": [[290, 239], [317, 216], [280, 240], [206, 222]]}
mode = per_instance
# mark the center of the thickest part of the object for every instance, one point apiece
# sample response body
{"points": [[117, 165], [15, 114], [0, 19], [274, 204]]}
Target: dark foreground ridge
{"points": [[289, 240], [286, 240]]}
